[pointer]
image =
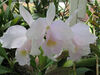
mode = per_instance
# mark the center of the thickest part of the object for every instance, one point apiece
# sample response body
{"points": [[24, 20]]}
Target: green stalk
{"points": [[97, 65], [74, 69]]}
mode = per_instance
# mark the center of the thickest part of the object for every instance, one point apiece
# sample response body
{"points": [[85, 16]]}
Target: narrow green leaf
{"points": [[3, 52], [68, 63], [82, 70], [15, 20], [87, 62], [32, 61], [10, 1], [1, 59], [95, 49], [4, 70]]}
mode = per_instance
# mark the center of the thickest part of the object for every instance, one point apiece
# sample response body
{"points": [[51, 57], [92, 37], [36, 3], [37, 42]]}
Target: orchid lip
{"points": [[23, 52], [48, 27], [51, 43]]}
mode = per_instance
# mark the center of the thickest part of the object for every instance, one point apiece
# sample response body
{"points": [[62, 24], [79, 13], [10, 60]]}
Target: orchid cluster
{"points": [[53, 36]]}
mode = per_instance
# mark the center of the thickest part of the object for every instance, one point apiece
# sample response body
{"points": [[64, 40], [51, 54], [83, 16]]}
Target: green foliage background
{"points": [[88, 65]]}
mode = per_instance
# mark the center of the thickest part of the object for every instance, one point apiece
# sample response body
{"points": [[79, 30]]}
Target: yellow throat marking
{"points": [[48, 27], [23, 52], [51, 43]]}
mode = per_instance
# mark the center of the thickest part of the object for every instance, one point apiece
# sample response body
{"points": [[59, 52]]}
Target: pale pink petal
{"points": [[72, 17], [63, 32], [52, 46], [82, 38], [22, 59], [82, 33], [26, 15], [81, 50], [36, 34], [14, 37], [22, 53], [51, 13]]}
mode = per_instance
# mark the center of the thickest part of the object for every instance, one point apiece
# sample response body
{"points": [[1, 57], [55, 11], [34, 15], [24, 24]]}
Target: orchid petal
{"points": [[22, 57], [81, 32], [14, 37], [82, 4], [26, 15], [63, 32], [70, 20], [82, 50], [52, 46], [36, 34], [22, 53], [82, 39], [73, 6], [51, 13]]}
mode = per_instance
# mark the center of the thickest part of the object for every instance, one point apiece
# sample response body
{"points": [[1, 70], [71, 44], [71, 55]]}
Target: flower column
{"points": [[81, 6]]}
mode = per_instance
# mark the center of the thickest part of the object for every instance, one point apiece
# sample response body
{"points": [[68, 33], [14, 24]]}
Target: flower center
{"points": [[48, 27], [51, 43], [23, 52]]}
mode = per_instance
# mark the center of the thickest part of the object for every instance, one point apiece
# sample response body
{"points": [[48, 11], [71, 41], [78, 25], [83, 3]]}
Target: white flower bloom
{"points": [[22, 54], [39, 28], [59, 36], [56, 32], [57, 39], [15, 37], [22, 57], [82, 38]]}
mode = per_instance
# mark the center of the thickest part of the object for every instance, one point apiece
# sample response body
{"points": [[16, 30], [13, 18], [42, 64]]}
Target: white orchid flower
{"points": [[58, 37], [56, 32], [39, 28], [81, 40], [15, 37]]}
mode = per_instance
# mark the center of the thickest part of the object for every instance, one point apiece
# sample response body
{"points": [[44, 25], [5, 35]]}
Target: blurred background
{"points": [[10, 16]]}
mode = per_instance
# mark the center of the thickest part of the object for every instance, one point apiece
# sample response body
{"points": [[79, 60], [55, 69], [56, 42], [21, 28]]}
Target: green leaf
{"points": [[6, 26], [88, 11], [4, 70], [3, 52], [68, 63], [95, 49], [10, 1], [15, 20], [82, 71], [42, 61], [87, 62], [1, 59], [32, 61], [96, 3]]}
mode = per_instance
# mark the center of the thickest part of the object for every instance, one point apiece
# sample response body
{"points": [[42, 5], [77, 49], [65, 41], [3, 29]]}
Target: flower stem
{"points": [[74, 69], [97, 66]]}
